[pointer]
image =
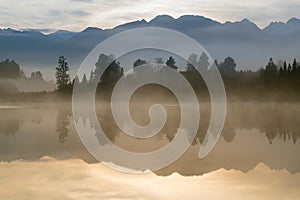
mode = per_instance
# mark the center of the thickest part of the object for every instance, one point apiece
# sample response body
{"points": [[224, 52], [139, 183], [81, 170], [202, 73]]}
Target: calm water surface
{"points": [[258, 155]]}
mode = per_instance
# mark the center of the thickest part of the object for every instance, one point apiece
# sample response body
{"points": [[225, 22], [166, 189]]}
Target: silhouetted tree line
{"points": [[271, 81], [37, 76], [109, 77], [11, 75], [10, 69]]}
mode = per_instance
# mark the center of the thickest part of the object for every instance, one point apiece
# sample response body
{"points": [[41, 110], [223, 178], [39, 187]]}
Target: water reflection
{"points": [[253, 133], [10, 124], [62, 123], [74, 179]]}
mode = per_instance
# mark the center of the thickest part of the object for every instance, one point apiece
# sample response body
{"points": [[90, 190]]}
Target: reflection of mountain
{"points": [[248, 149], [253, 133], [242, 40], [244, 143]]}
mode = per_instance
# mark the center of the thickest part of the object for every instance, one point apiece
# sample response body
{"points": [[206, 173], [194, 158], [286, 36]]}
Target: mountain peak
{"points": [[192, 17], [183, 23], [62, 34], [91, 29], [10, 31], [162, 18], [243, 25], [291, 27], [62, 31], [134, 24], [196, 17], [293, 21], [246, 21]]}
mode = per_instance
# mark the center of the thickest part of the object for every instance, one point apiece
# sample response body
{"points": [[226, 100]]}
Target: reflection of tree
{"points": [[274, 120], [36, 118], [62, 123], [139, 111], [107, 123], [9, 126]]}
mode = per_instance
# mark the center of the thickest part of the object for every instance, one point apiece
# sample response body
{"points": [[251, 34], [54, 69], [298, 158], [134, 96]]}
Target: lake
{"points": [[256, 157]]}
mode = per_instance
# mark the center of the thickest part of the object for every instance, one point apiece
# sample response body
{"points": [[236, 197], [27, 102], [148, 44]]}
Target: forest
{"points": [[273, 82]]}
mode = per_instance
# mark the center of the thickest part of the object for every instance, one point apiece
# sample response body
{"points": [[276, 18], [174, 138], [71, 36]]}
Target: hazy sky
{"points": [[78, 14]]}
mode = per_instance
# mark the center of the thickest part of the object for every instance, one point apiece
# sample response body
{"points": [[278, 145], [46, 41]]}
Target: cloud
{"points": [[80, 13], [55, 13]]}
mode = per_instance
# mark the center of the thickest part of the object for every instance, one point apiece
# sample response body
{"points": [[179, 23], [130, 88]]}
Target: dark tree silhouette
{"points": [[10, 69], [284, 67], [271, 68], [37, 76], [139, 62], [110, 66], [289, 68], [228, 66], [171, 63], [294, 66], [281, 72], [269, 73], [62, 76], [111, 72]]}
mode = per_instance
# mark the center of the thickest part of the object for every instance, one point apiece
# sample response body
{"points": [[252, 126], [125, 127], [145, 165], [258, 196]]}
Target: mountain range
{"points": [[248, 44]]}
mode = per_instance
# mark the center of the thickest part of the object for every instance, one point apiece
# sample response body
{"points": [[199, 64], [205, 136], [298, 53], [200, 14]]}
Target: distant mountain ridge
{"points": [[250, 45], [185, 21]]}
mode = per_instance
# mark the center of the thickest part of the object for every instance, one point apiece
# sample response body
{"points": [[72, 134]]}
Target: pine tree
{"points": [[294, 66], [289, 68], [284, 67], [62, 76], [139, 62]]}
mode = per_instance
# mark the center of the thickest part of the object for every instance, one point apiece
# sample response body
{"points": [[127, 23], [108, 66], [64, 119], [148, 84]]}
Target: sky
{"points": [[76, 15]]}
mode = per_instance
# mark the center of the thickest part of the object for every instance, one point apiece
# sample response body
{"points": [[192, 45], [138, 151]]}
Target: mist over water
{"points": [[258, 138], [30, 133]]}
